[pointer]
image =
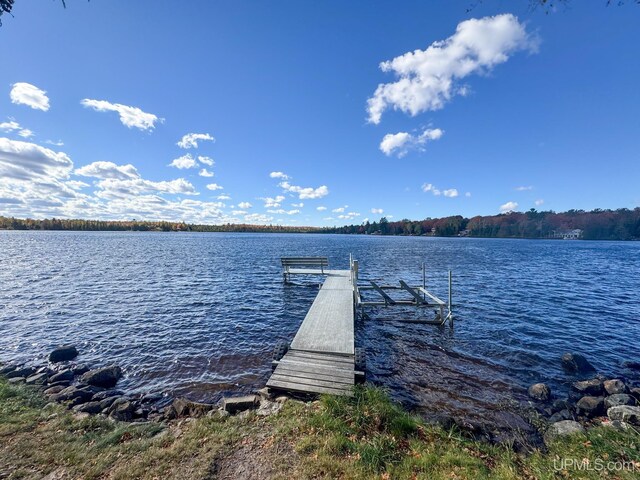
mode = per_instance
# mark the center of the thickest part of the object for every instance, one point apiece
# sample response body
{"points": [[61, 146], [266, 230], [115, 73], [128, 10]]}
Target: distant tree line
{"points": [[621, 224], [11, 223]]}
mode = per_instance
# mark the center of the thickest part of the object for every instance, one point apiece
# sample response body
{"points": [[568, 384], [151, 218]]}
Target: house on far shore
{"points": [[574, 234]]}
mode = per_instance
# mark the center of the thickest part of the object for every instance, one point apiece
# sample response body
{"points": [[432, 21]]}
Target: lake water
{"points": [[199, 314]]}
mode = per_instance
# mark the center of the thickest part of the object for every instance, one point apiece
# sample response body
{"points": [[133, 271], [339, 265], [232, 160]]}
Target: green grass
{"points": [[366, 436]]}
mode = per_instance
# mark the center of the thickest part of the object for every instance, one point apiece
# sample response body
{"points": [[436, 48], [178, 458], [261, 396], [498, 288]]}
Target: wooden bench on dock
{"points": [[303, 266]]}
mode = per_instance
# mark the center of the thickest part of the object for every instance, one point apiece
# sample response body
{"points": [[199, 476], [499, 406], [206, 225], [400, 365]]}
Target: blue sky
{"points": [[321, 113]]}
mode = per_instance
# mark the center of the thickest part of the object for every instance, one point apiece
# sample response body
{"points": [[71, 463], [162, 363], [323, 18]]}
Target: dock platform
{"points": [[321, 356]]}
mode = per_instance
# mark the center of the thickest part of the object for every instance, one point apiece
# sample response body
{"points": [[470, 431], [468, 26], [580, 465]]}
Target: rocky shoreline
{"points": [[594, 400], [92, 391]]}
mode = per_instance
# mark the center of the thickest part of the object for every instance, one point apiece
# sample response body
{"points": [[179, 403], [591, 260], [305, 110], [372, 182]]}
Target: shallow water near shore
{"points": [[198, 314]]}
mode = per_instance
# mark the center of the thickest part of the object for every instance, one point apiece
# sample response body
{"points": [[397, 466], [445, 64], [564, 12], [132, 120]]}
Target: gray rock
{"points": [[73, 393], [58, 384], [37, 379], [559, 405], [105, 377], [589, 387], [619, 399], [21, 372], [55, 389], [106, 403], [16, 380], [89, 407], [625, 413], [561, 415], [151, 397], [79, 369], [635, 392], [265, 393], [562, 428], [576, 363], [106, 394], [540, 392], [63, 376], [615, 386], [7, 369], [267, 408], [590, 406], [238, 404], [186, 408], [63, 354], [122, 410]]}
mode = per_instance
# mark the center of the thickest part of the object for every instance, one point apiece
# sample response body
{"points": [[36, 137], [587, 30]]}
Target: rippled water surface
{"points": [[199, 314]]}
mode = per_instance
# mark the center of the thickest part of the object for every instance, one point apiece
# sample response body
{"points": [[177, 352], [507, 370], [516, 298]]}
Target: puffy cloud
{"points": [[12, 126], [523, 188], [183, 162], [129, 116], [509, 207], [28, 161], [223, 197], [377, 211], [59, 143], [281, 211], [428, 187], [105, 170], [428, 79], [190, 140], [257, 218], [305, 192], [245, 205], [273, 202], [116, 188], [340, 209], [206, 160], [30, 95], [539, 202], [297, 205], [205, 173], [349, 216], [214, 187], [451, 193], [279, 175], [403, 142], [321, 208]]}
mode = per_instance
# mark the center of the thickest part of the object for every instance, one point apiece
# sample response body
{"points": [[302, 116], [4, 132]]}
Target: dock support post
{"points": [[450, 307], [424, 280]]}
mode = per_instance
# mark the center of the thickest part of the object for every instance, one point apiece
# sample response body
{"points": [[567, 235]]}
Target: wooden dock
{"points": [[321, 356]]}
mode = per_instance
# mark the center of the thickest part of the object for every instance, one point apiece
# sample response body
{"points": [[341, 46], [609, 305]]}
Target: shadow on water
{"points": [[199, 314]]}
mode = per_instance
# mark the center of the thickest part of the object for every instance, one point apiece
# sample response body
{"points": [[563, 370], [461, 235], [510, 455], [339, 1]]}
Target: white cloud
{"points": [[539, 202], [12, 126], [339, 209], [428, 187], [105, 170], [206, 160], [115, 188], [273, 202], [403, 142], [223, 197], [523, 188], [239, 212], [257, 218], [428, 79], [30, 95], [321, 208], [183, 162], [349, 216], [190, 140], [468, 194], [377, 211], [509, 207], [245, 205], [281, 211], [306, 192], [28, 161], [279, 175], [214, 187], [205, 173], [59, 143], [451, 193], [297, 205], [129, 116]]}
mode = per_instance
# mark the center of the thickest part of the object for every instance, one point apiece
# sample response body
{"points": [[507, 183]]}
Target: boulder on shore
{"points": [[576, 363], [589, 387], [239, 404], [619, 399], [105, 377], [564, 427], [186, 408], [63, 354], [63, 376], [625, 413], [540, 392], [590, 406], [615, 386]]}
